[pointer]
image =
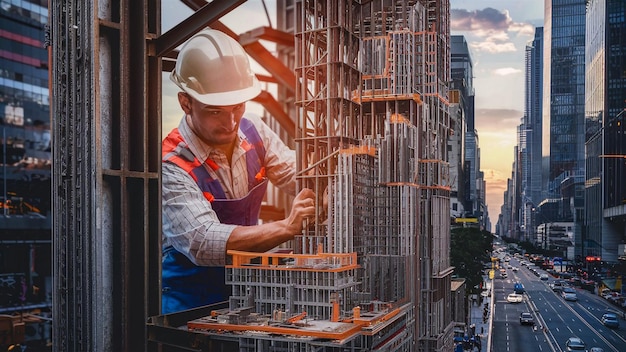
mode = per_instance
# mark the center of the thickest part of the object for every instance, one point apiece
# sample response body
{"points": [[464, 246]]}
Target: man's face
{"points": [[215, 125]]}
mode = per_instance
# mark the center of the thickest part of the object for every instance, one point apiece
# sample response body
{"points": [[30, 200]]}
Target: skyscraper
{"points": [[605, 194], [530, 150], [564, 115], [564, 87], [533, 109], [25, 160], [461, 109], [471, 191]]}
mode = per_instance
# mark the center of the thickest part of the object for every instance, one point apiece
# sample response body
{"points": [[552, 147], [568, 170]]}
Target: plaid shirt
{"points": [[190, 224]]}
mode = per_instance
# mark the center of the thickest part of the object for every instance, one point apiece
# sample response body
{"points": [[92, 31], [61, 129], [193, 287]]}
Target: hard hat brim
{"points": [[222, 99]]}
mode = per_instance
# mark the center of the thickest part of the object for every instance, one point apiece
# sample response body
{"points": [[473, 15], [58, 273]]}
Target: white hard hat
{"points": [[214, 69]]}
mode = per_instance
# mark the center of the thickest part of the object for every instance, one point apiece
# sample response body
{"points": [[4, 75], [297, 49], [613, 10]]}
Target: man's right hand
{"points": [[261, 238], [303, 208]]}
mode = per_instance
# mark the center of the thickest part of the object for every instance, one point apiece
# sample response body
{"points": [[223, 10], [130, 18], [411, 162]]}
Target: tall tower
{"points": [[533, 107], [406, 61], [564, 114], [605, 194], [564, 86], [461, 110], [530, 150]]}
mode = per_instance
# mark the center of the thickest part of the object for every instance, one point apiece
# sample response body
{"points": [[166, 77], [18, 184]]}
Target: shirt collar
{"points": [[197, 146]]}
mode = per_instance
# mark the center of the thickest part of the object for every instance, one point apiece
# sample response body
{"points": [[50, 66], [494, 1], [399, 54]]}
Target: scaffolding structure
{"points": [[372, 270]]}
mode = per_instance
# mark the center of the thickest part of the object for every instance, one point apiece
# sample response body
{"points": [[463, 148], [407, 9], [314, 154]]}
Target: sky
{"points": [[497, 32]]}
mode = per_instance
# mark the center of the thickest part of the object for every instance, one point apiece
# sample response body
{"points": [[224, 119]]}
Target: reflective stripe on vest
{"points": [[176, 151]]}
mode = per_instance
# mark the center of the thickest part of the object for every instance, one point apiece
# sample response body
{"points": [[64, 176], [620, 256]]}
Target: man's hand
{"points": [[261, 238], [303, 208]]}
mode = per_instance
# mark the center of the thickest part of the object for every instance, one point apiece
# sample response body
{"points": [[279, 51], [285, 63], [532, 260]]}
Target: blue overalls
{"points": [[186, 285]]}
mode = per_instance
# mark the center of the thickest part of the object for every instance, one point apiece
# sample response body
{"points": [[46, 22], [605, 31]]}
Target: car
{"points": [[569, 294], [615, 297], [526, 318], [557, 286], [515, 269], [543, 277], [575, 344], [514, 298], [596, 349], [610, 320], [518, 288]]}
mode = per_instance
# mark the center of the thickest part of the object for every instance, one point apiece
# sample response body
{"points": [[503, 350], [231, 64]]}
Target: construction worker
{"points": [[215, 170]]}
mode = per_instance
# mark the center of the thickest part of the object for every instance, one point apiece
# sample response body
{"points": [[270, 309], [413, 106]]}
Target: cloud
{"points": [[493, 175], [487, 22], [493, 47], [497, 120], [488, 19], [523, 29], [492, 26], [505, 71]]}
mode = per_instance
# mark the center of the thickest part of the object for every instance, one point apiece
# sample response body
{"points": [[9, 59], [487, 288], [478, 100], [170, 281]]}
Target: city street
{"points": [[556, 319]]}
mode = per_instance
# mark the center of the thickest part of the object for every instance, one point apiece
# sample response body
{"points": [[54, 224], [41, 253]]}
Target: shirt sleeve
{"points": [[280, 160], [190, 224]]}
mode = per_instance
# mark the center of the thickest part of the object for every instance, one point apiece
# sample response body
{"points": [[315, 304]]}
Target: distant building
{"points": [[470, 192], [458, 299], [530, 136], [461, 109], [25, 164], [556, 236]]}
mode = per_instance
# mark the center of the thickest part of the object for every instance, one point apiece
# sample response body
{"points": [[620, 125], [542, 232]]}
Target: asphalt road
{"points": [[556, 319]]}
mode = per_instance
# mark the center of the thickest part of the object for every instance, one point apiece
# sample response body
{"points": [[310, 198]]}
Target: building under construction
{"points": [[370, 110]]}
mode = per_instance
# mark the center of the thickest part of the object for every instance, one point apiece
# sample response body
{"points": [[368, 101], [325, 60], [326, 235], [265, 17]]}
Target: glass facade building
{"points": [[25, 160], [533, 106], [614, 124], [529, 138], [24, 111], [462, 74], [564, 114], [564, 89], [605, 190]]}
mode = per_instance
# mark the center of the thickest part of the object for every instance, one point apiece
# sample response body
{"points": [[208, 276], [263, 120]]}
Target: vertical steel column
{"points": [[106, 161], [328, 76]]}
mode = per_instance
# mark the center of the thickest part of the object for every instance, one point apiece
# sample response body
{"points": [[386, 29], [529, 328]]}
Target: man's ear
{"points": [[185, 102]]}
